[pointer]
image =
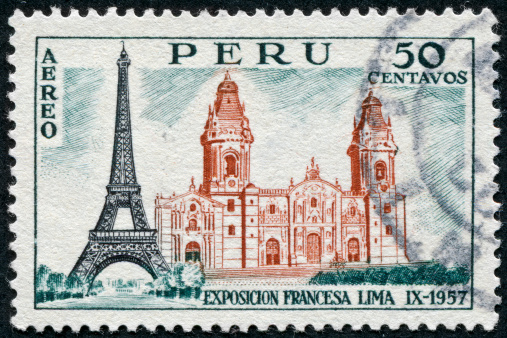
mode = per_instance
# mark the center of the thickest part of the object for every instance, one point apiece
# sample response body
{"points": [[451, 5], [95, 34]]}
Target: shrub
{"points": [[185, 280], [351, 277], [427, 274], [458, 275], [376, 276], [401, 275], [431, 274], [192, 276], [324, 278]]}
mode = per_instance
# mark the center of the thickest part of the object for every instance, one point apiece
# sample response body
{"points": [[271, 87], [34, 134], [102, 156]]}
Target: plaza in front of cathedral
{"points": [[228, 222]]}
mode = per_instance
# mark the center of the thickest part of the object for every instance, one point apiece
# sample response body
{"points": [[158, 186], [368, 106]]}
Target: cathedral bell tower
{"points": [[372, 150], [226, 141]]}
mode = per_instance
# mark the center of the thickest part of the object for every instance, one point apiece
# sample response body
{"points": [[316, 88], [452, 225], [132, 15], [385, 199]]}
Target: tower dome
{"points": [[371, 100], [227, 85]]}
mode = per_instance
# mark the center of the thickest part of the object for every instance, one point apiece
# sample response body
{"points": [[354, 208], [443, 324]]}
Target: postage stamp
{"points": [[288, 170]]}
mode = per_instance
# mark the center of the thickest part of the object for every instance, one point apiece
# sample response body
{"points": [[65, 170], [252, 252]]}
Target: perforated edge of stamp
{"points": [[112, 24]]}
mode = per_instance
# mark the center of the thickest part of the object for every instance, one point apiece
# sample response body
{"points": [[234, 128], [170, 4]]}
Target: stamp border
{"points": [[472, 39]]}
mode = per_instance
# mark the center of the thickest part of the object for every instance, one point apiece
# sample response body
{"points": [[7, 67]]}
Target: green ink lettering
{"points": [[176, 52], [222, 51], [49, 56], [264, 55]]}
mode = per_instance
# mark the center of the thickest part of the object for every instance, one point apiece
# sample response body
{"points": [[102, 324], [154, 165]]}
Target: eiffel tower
{"points": [[105, 245]]}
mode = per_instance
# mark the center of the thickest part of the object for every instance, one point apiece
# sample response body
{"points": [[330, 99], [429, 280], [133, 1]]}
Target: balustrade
{"points": [[123, 236], [273, 219]]}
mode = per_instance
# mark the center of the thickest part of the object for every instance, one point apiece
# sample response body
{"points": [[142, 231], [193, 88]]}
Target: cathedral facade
{"points": [[229, 222]]}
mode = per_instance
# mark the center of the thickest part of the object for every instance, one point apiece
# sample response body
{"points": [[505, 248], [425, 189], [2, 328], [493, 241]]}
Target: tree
{"points": [[56, 281], [41, 278], [97, 286], [161, 283], [192, 276], [73, 284], [175, 276]]}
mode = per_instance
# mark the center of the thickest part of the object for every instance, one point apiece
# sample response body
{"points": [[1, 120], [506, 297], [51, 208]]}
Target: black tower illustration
{"points": [[105, 245]]}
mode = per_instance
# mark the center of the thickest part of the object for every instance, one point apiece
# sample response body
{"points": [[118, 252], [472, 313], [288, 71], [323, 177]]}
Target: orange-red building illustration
{"points": [[229, 222]]}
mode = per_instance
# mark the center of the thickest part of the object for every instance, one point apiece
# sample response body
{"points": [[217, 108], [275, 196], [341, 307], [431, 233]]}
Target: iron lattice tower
{"points": [[105, 245]]}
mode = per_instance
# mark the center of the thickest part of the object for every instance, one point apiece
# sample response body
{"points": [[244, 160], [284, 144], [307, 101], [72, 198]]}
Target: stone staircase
{"points": [[275, 275], [269, 272]]}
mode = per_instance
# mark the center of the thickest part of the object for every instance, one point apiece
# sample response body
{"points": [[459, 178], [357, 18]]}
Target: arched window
{"points": [[192, 252], [230, 165], [352, 211], [389, 230], [380, 170], [232, 230], [272, 209], [387, 208], [230, 205], [313, 202], [192, 225], [314, 219], [354, 252], [193, 207]]}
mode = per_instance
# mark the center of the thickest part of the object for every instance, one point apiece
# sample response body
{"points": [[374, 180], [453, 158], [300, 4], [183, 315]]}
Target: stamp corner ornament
{"points": [[384, 220]]}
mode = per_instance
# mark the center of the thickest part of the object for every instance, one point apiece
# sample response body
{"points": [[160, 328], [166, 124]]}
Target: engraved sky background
{"points": [[294, 114]]}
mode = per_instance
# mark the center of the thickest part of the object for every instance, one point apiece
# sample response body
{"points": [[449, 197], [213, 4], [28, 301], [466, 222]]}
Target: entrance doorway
{"points": [[192, 252], [272, 252], [313, 248], [353, 250]]}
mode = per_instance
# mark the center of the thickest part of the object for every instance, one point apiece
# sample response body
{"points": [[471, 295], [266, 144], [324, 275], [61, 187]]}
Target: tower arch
{"points": [[380, 170], [139, 261], [230, 164]]}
